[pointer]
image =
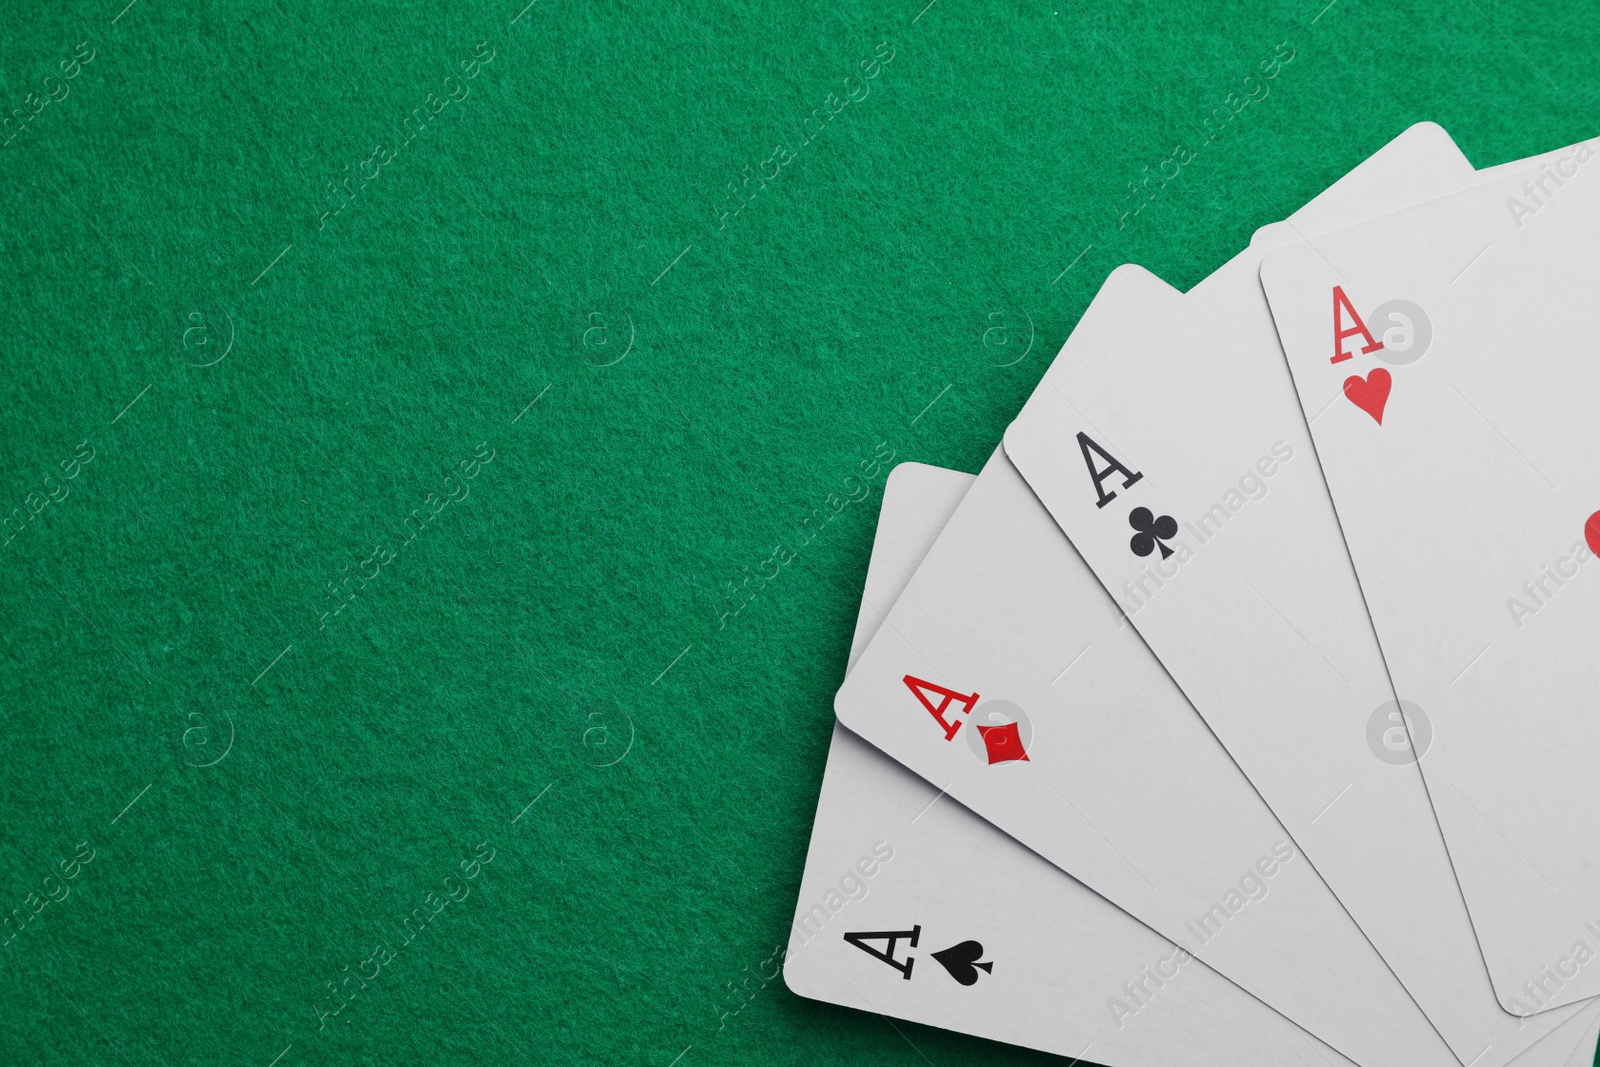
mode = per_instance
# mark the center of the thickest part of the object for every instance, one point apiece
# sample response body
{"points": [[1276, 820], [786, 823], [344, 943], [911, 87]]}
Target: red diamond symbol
{"points": [[1003, 743]]}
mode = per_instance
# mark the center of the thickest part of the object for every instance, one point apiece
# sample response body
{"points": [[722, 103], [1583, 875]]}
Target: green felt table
{"points": [[398, 400]]}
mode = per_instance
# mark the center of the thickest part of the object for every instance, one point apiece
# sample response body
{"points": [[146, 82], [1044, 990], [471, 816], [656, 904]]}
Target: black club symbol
{"points": [[1153, 529]]}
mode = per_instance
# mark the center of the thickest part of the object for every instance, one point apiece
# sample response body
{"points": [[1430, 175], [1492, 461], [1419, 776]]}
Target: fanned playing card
{"points": [[1180, 466], [1123, 786], [1040, 960], [1444, 358], [1022, 952], [1071, 973]]}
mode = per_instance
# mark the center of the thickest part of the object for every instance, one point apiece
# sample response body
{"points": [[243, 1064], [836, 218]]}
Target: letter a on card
{"points": [[1113, 466], [922, 689], [1341, 303], [886, 954]]}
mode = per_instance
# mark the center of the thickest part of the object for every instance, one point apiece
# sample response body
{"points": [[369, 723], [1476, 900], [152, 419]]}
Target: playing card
{"points": [[1022, 952], [1005, 634], [1442, 357], [1180, 466], [1069, 972]]}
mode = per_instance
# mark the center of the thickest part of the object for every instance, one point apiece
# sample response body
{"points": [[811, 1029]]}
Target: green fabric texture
{"points": [[617, 314]]}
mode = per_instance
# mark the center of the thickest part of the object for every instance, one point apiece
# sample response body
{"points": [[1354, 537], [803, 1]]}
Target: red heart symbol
{"points": [[1591, 533], [1370, 393]]}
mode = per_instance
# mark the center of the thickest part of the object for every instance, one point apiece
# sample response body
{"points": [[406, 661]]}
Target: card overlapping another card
{"points": [[1180, 466], [1071, 973], [1283, 843], [1125, 787], [1023, 953], [1444, 360]]}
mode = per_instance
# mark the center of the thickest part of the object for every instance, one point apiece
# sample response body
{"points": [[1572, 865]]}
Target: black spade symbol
{"points": [[962, 961]]}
